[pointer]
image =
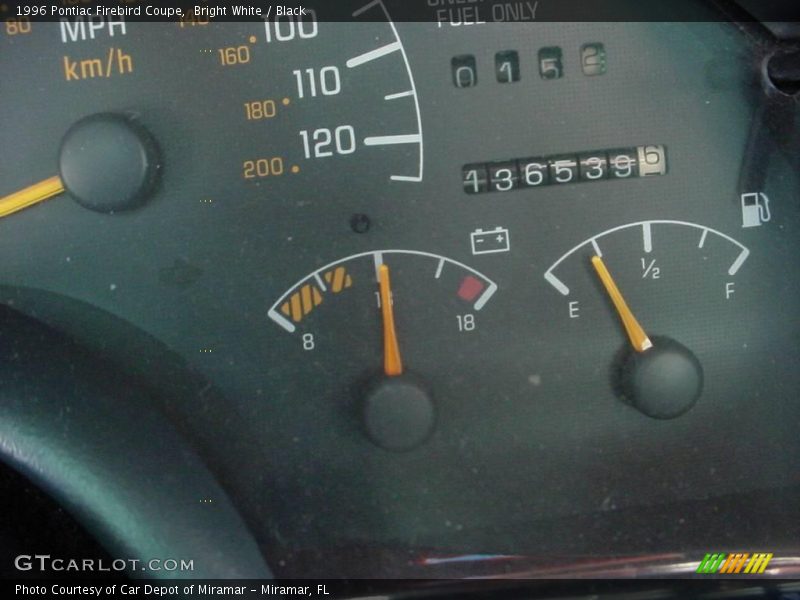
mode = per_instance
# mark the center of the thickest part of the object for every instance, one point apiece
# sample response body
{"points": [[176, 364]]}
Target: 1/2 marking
{"points": [[650, 270]]}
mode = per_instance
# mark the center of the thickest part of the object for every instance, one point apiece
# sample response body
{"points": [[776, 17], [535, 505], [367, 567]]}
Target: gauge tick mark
{"points": [[703, 238], [387, 140], [647, 236], [556, 283], [439, 268], [375, 54], [399, 95], [739, 262]]}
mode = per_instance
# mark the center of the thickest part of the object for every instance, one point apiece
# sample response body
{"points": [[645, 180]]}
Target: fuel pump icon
{"points": [[755, 209]]}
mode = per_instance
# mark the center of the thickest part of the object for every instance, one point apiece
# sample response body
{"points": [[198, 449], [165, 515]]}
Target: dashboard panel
{"points": [[451, 288]]}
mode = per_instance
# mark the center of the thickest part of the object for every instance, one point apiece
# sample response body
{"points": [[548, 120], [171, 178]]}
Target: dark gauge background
{"points": [[532, 444]]}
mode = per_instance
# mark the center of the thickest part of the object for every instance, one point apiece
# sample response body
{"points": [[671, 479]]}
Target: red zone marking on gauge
{"points": [[470, 288]]}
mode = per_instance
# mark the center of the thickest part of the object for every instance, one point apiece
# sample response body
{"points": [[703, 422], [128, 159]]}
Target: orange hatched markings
{"points": [[309, 296], [338, 279], [302, 302]]}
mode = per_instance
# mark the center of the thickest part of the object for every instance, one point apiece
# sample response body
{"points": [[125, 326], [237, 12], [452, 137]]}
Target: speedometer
{"points": [[280, 134], [417, 289]]}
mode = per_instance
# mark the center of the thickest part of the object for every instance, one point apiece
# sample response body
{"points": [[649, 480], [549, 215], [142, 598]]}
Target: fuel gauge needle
{"points": [[636, 334], [38, 192], [392, 363]]}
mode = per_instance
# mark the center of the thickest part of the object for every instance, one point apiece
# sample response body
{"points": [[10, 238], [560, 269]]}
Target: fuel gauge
{"points": [[675, 272]]}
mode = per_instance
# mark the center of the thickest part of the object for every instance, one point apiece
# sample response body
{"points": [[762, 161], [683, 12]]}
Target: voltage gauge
{"points": [[375, 327]]}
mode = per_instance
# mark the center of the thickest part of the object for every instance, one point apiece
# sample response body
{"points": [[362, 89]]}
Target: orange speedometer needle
{"points": [[392, 363], [636, 334], [38, 192]]}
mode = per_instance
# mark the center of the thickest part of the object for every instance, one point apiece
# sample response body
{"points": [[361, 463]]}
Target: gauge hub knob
{"points": [[109, 162], [663, 382], [398, 413]]}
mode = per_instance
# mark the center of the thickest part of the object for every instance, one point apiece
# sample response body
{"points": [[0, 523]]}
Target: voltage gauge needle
{"points": [[636, 334], [398, 411], [392, 363], [31, 195]]}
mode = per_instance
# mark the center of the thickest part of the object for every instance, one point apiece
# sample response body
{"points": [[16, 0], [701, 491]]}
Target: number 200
{"points": [[262, 167]]}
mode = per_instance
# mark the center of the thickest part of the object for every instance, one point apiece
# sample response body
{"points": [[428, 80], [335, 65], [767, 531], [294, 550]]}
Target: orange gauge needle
{"points": [[31, 195], [636, 334], [392, 363]]}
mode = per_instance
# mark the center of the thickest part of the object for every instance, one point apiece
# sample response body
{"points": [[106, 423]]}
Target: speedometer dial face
{"points": [[484, 290]]}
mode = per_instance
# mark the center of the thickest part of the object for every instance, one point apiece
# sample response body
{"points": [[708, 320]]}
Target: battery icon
{"points": [[490, 241]]}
